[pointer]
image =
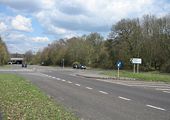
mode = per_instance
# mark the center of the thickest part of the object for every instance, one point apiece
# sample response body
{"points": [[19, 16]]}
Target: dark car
{"points": [[24, 65], [82, 66], [79, 66]]}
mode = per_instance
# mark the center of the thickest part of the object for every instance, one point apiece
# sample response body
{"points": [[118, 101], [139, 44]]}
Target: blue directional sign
{"points": [[119, 64]]}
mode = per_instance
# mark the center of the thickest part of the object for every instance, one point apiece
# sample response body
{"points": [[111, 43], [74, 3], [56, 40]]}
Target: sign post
{"points": [[119, 64], [63, 63], [118, 72], [134, 67], [136, 61]]}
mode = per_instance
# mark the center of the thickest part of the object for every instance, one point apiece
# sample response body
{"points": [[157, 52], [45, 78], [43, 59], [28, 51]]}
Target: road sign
{"points": [[136, 60], [119, 64]]}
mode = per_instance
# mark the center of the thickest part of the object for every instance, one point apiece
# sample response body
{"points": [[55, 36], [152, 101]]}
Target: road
{"points": [[92, 99]]}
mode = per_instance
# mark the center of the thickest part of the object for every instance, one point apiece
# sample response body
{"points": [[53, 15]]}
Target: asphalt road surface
{"points": [[92, 99]]}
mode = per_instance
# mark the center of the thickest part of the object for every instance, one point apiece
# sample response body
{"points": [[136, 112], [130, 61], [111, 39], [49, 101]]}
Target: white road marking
{"points": [[103, 92], [123, 98], [69, 82], [162, 89], [77, 84], [58, 78], [166, 91], [156, 107], [44, 74], [53, 77], [89, 88], [63, 80]]}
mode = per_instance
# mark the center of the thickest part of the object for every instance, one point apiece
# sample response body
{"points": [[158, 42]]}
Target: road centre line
{"points": [[58, 78], [103, 92], [63, 80], [89, 88], [69, 82], [158, 108], [77, 84], [123, 98]]}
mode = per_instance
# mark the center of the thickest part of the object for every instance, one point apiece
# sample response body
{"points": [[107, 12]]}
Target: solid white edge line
{"points": [[89, 88], [123, 98], [166, 91], [162, 89], [156, 107], [77, 84], [103, 92]]}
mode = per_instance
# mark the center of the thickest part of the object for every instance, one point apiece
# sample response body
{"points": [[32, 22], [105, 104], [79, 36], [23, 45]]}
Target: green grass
{"points": [[147, 76], [5, 66], [20, 100]]}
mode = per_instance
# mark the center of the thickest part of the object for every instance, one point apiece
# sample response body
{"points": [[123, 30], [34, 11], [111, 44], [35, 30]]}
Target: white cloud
{"points": [[65, 19], [3, 27], [92, 15], [40, 39], [22, 23]]}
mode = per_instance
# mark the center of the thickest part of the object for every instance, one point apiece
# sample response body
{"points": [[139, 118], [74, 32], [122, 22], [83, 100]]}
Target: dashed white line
{"points": [[77, 84], [103, 92], [53, 77], [63, 80], [69, 82], [89, 88], [158, 108], [123, 98], [58, 78], [166, 91]]}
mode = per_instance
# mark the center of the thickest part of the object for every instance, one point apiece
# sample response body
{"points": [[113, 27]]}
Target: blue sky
{"points": [[33, 24]]}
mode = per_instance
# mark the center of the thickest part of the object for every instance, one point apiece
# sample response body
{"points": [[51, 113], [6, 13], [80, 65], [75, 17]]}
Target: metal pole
{"points": [[63, 63], [137, 68], [118, 72], [134, 66]]}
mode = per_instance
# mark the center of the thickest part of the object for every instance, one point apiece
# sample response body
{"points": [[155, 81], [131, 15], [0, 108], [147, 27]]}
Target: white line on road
{"points": [[156, 107], [162, 89], [77, 84], [53, 77], [89, 88], [123, 98], [166, 91], [58, 78], [103, 92], [63, 80], [69, 82]]}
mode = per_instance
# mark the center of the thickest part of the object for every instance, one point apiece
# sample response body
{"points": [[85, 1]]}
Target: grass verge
{"points": [[20, 100], [5, 66], [147, 76]]}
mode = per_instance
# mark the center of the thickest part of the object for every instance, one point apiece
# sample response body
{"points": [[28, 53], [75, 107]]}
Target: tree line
{"points": [[147, 38], [4, 54]]}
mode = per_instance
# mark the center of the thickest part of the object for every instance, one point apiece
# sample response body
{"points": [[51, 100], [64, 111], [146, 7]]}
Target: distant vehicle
{"points": [[75, 66], [24, 65], [10, 63], [79, 66], [82, 67]]}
